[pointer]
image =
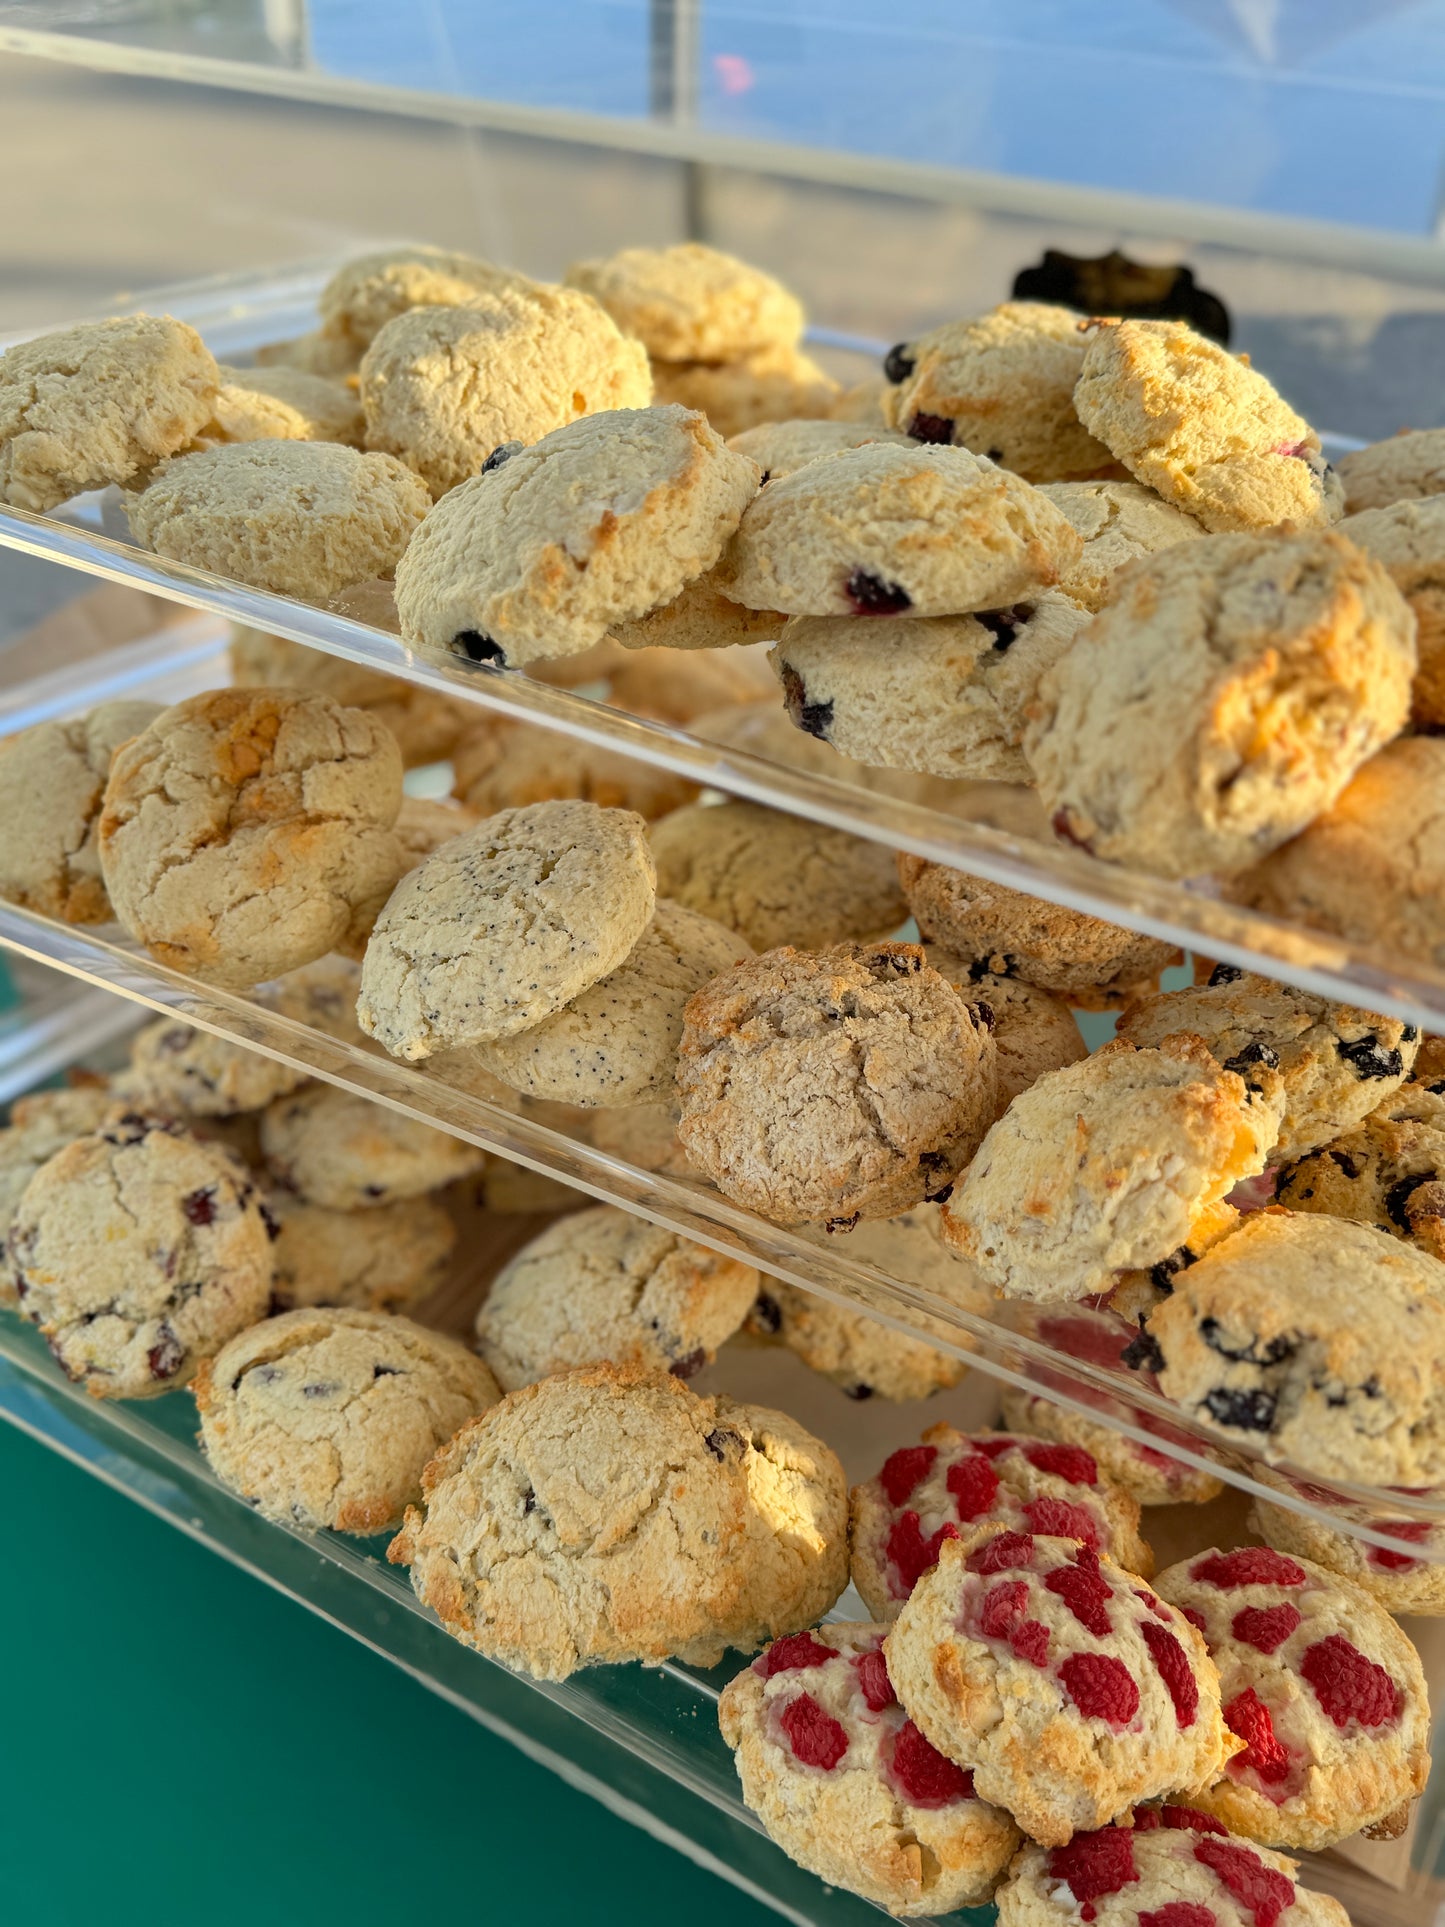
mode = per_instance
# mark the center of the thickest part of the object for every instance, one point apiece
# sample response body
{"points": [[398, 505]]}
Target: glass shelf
{"points": [[237, 313]]}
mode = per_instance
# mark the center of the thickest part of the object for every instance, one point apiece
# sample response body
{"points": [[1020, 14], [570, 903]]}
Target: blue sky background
{"points": [[1330, 109]]}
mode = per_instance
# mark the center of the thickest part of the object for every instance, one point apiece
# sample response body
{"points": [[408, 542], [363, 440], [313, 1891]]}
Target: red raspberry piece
{"points": [[1005, 1551], [1085, 1591], [1174, 1669], [974, 1485], [1248, 1566], [1060, 1520], [1085, 1338], [788, 1655], [1003, 1606], [1265, 1627], [1260, 1890], [1348, 1686], [1095, 1864], [1179, 1913], [1190, 1820], [814, 1735], [874, 1683], [1031, 1642], [995, 1448], [1151, 1604], [903, 1472], [923, 1774], [1196, 1618], [1247, 1716], [910, 1554], [1413, 1531], [1101, 1687], [1070, 1462]]}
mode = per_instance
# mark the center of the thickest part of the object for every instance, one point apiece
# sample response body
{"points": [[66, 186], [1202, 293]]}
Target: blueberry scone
{"points": [[443, 387], [503, 926], [176, 1069], [38, 1127], [388, 1258], [1001, 384], [1033, 1030], [946, 695], [1202, 428], [602, 1286], [1408, 540], [1336, 1063], [242, 829], [833, 1085], [1118, 521], [775, 878], [847, 1785], [780, 447], [617, 1042], [139, 1251], [302, 519], [1407, 467], [1263, 1342], [99, 403], [862, 1356], [326, 1417], [690, 302], [52, 781], [1324, 1689], [1173, 1867], [1222, 699], [1388, 1171], [547, 547], [336, 1148], [1106, 1165], [1067, 1686], [1010, 934], [952, 1483], [886, 531]]}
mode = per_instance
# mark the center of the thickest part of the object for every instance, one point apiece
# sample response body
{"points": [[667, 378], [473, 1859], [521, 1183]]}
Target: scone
{"points": [[1408, 539], [336, 1148], [780, 447], [281, 405], [1069, 1688], [503, 763], [242, 829], [861, 1355], [699, 617], [601, 1286], [1105, 1165], [824, 1087], [1221, 700], [768, 385], [1153, 1475], [1119, 521], [1400, 1581], [690, 302], [326, 1417], [927, 1494], [38, 1127], [847, 1785], [372, 289], [1407, 467], [387, 1258], [1389, 1171], [1033, 1030], [178, 1070]]}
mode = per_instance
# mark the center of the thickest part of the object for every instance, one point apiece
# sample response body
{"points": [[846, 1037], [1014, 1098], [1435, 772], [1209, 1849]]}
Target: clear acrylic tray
{"points": [[238, 314]]}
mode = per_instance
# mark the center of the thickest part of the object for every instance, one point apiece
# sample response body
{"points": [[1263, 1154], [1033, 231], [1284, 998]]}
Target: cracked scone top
{"points": [[326, 1417], [1105, 1165], [443, 387], [366, 293], [336, 1148], [1202, 428], [775, 878], [953, 1483], [1173, 1867], [1372, 863], [616, 1043], [690, 302], [39, 1126], [503, 926], [1388, 1171], [1068, 1686], [1222, 699], [1408, 539], [139, 1251], [1336, 1063], [1118, 521], [387, 1258], [1403, 468], [242, 828], [1263, 1341], [604, 1515], [847, 1785], [1324, 1689], [603, 1286], [1001, 384], [826, 1086], [597, 523], [1011, 934], [304, 519], [175, 1068], [52, 780], [882, 530], [947, 695], [101, 402]]}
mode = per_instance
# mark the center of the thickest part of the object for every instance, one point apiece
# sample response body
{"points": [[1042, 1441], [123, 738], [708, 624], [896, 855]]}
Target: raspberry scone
{"points": [[1322, 1686], [847, 1785], [952, 1484]]}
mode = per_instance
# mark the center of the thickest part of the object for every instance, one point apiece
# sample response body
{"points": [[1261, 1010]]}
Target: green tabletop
{"points": [[182, 1745]]}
